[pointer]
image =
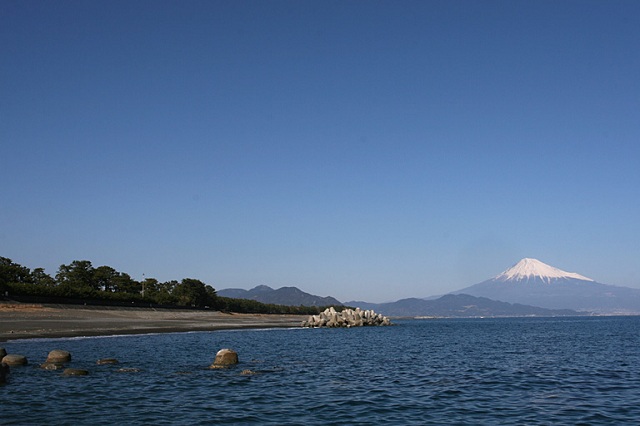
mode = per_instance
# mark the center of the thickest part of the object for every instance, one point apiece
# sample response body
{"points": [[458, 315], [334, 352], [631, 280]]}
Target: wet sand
{"points": [[27, 321]]}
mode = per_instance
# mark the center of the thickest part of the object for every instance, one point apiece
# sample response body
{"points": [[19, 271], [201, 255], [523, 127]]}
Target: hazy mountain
{"points": [[535, 283], [289, 296], [240, 293], [461, 305]]}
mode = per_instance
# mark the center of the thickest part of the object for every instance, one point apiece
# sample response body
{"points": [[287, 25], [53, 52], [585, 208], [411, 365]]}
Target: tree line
{"points": [[81, 282]]}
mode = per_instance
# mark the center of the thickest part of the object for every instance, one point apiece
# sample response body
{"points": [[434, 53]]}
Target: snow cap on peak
{"points": [[529, 268]]}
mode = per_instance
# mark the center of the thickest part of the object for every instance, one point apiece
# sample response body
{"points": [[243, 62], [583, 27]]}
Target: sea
{"points": [[484, 371]]}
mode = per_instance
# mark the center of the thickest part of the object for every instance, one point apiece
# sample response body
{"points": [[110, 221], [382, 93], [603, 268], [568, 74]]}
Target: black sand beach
{"points": [[26, 321]]}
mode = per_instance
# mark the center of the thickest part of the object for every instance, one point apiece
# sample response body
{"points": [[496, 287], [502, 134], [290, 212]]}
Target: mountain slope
{"points": [[289, 296], [535, 283], [240, 293], [459, 306]]}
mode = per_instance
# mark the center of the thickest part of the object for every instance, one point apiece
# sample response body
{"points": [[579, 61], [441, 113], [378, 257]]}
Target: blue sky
{"points": [[367, 150]]}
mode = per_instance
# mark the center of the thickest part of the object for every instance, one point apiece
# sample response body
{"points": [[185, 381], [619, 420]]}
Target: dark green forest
{"points": [[81, 282]]}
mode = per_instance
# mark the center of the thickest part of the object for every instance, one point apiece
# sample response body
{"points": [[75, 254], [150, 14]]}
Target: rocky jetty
{"points": [[347, 318]]}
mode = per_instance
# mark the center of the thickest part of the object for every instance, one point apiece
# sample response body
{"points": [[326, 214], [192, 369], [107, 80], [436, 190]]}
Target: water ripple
{"points": [[502, 371]]}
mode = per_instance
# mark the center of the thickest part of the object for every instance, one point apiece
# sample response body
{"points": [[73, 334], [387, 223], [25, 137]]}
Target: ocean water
{"points": [[525, 371]]}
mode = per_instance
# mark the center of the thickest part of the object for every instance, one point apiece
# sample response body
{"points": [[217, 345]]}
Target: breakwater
{"points": [[346, 318]]}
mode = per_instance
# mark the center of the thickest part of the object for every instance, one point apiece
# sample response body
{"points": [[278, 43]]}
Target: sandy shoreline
{"points": [[28, 321]]}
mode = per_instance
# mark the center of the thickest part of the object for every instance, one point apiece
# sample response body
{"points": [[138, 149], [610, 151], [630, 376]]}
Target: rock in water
{"points": [[128, 370], [74, 372], [13, 359], [51, 366], [58, 356], [225, 357], [3, 353]]}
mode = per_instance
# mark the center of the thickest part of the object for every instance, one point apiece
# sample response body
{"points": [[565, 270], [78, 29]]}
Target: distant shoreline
{"points": [[29, 321]]}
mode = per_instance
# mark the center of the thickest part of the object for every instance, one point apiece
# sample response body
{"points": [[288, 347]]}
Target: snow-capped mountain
{"points": [[534, 269], [533, 282]]}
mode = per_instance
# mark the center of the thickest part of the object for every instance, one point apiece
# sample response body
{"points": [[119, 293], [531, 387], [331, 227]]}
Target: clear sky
{"points": [[367, 150]]}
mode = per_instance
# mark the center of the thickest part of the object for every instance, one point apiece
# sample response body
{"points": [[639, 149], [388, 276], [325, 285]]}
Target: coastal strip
{"points": [[28, 321]]}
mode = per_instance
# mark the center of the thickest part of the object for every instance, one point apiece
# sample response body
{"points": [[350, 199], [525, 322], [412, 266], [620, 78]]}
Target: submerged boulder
{"points": [[128, 370], [347, 318], [105, 361], [74, 372], [224, 358], [51, 366]]}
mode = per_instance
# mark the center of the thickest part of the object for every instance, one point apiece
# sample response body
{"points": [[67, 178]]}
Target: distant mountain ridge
{"points": [[533, 282], [528, 288], [288, 296], [459, 306]]}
